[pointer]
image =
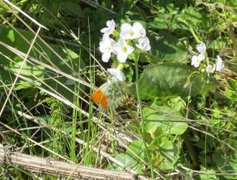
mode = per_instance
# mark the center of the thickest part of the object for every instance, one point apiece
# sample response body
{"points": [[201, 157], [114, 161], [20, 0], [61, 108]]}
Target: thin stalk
{"points": [[191, 150], [89, 136], [74, 127], [190, 29], [142, 119], [112, 131]]}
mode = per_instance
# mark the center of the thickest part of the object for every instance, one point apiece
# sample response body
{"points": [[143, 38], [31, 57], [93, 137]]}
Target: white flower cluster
{"points": [[197, 59], [120, 44], [124, 46]]}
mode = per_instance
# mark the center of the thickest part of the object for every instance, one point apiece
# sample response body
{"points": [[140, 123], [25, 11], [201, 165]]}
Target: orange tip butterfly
{"points": [[100, 98], [109, 95]]}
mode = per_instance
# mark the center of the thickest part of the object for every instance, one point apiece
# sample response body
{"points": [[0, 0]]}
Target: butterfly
{"points": [[109, 95], [99, 97]]}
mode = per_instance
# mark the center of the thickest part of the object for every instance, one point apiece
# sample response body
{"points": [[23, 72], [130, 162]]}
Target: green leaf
{"points": [[159, 23], [169, 151], [165, 118], [192, 16], [74, 8], [169, 80], [233, 84], [226, 164], [28, 70], [136, 147], [128, 161], [6, 77], [11, 35], [69, 63], [208, 175], [168, 48], [33, 73]]}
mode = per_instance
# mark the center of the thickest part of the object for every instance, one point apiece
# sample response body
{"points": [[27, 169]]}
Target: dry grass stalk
{"points": [[58, 168]]}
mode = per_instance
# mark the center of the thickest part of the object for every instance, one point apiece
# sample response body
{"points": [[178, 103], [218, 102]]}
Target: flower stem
{"points": [[142, 130]]}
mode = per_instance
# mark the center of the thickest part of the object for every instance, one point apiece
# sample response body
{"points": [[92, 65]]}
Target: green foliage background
{"points": [[185, 124]]}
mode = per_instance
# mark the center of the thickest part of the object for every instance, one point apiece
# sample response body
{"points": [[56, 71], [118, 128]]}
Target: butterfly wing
{"points": [[100, 98]]}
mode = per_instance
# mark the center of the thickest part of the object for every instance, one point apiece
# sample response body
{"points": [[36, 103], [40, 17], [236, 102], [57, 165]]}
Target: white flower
{"points": [[140, 29], [210, 69], [117, 73], [122, 50], [109, 29], [196, 60], [201, 48], [132, 32], [144, 44], [107, 48], [219, 64]]}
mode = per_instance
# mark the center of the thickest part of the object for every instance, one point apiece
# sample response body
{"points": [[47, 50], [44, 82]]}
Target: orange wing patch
{"points": [[100, 98]]}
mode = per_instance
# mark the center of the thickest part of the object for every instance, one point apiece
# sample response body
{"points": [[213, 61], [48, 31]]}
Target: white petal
{"points": [[130, 49], [122, 57], [103, 46], [106, 57], [120, 76], [118, 46], [144, 44], [112, 71], [117, 73], [140, 29], [106, 44], [201, 57], [110, 23], [106, 47], [109, 29], [201, 48], [219, 64], [125, 31], [122, 50], [125, 27], [195, 61], [132, 32]]}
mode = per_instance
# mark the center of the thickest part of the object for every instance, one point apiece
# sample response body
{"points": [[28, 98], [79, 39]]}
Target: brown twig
{"points": [[58, 168]]}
